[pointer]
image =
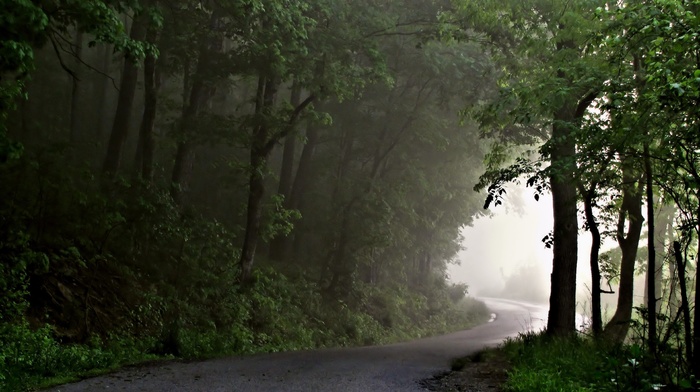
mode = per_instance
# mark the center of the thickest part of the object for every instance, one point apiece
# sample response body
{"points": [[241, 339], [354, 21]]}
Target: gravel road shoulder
{"points": [[474, 374]]}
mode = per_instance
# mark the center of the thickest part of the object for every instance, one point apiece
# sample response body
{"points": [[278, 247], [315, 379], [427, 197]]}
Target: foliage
{"points": [[169, 290], [541, 363], [30, 356], [96, 272]]}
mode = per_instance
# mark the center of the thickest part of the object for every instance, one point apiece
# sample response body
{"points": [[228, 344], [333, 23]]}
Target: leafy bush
{"points": [[93, 276], [28, 357]]}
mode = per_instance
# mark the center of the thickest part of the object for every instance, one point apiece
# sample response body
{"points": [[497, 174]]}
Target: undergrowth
{"points": [[580, 364], [95, 276], [35, 357]]}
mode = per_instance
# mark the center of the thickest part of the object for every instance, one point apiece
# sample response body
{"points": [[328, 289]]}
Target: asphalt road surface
{"points": [[396, 367]]}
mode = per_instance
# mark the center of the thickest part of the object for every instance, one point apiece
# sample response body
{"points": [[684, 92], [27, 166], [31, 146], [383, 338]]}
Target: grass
{"points": [[577, 364], [33, 358]]}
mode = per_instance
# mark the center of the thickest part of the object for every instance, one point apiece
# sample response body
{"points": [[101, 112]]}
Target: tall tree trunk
{"points": [[338, 238], [143, 162], [337, 263], [695, 364], [267, 92], [562, 301], [122, 118], [596, 313], [102, 92], [201, 92], [662, 219], [263, 141], [685, 307], [302, 180], [286, 178], [631, 213], [75, 118], [280, 244], [651, 266]]}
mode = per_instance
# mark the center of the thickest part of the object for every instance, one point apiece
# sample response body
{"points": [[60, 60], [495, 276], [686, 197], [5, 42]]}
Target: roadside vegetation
{"points": [[192, 178], [154, 285], [598, 101], [188, 179], [538, 362]]}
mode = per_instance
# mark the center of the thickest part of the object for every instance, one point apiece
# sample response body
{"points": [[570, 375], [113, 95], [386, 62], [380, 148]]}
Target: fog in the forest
{"points": [[503, 254]]}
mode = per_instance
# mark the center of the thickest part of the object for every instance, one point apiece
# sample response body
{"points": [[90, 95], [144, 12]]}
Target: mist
{"points": [[503, 254]]}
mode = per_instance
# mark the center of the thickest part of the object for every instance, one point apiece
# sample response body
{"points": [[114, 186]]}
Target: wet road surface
{"points": [[396, 367]]}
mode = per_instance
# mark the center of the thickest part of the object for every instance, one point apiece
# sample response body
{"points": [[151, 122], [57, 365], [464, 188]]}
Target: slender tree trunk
{"points": [[338, 261], [338, 238], [75, 118], [287, 170], [256, 191], [674, 302], [662, 246], [630, 212], [262, 142], [199, 96], [184, 156], [596, 315], [302, 180], [122, 118], [685, 307], [143, 162], [182, 171], [696, 319], [562, 301], [651, 267], [267, 92], [102, 88], [280, 244]]}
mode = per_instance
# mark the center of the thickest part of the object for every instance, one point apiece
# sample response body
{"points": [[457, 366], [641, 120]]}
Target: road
{"points": [[396, 367]]}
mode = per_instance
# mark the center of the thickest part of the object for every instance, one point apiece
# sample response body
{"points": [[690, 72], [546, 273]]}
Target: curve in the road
{"points": [[396, 367]]}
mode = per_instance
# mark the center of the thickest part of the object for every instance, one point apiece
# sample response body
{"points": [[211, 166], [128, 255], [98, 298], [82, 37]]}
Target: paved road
{"points": [[396, 367]]}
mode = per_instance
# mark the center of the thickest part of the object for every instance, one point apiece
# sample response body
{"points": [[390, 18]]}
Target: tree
{"points": [[630, 214], [550, 79], [27, 26], [325, 52], [127, 90], [658, 34]]}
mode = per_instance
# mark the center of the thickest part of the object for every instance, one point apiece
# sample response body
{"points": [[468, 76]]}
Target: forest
{"points": [[200, 178]]}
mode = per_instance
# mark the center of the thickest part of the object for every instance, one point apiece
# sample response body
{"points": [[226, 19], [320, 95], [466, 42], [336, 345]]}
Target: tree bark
{"points": [[143, 162], [122, 118], [280, 244], [263, 141], [663, 229], [695, 363], [286, 178], [685, 307], [102, 121], [259, 151], [651, 266], [562, 301], [75, 118], [302, 180], [201, 92], [596, 313], [630, 212]]}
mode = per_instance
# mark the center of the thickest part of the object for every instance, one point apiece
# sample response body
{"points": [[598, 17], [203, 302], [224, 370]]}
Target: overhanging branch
{"points": [[292, 121]]}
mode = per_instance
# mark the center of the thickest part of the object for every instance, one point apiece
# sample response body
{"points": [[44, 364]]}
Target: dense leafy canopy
{"points": [[374, 121]]}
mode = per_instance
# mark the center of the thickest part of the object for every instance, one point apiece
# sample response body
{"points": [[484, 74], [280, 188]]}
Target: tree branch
{"points": [[60, 59], [585, 102], [292, 121]]}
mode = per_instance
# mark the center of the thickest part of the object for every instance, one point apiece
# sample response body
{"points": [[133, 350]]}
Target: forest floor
{"points": [[483, 372]]}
